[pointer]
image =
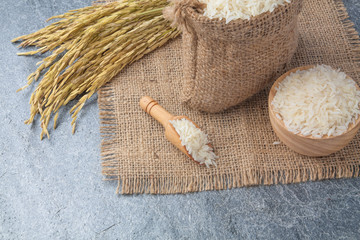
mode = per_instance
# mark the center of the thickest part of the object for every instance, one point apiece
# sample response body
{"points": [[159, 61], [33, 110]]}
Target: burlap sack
{"points": [[224, 64]]}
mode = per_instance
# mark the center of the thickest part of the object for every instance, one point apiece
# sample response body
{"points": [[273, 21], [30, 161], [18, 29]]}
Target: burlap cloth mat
{"points": [[136, 154]]}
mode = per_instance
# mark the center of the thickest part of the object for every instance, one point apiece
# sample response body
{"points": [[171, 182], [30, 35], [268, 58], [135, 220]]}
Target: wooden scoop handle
{"points": [[150, 106]]}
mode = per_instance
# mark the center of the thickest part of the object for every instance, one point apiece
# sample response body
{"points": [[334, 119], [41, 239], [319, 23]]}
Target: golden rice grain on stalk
{"points": [[89, 47]]}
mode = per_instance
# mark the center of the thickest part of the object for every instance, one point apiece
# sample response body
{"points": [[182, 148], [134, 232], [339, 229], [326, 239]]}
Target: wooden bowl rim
{"points": [[281, 122]]}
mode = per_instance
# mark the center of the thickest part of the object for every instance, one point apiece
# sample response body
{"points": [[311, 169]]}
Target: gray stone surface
{"points": [[53, 189]]}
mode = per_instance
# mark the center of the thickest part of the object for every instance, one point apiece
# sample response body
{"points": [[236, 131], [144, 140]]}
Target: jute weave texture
{"points": [[224, 64], [136, 154]]}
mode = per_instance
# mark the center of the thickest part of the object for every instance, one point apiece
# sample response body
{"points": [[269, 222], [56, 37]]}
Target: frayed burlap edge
{"points": [[351, 33], [108, 125], [173, 185]]}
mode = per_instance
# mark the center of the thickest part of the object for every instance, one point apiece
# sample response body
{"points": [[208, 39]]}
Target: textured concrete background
{"points": [[52, 189]]}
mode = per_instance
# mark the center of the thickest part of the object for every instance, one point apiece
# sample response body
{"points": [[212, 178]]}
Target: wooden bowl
{"points": [[308, 145]]}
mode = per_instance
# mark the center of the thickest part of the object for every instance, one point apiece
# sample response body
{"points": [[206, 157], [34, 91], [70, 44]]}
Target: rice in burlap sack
{"points": [[224, 64]]}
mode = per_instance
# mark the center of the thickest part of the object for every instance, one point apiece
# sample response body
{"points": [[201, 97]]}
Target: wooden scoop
{"points": [[150, 106]]}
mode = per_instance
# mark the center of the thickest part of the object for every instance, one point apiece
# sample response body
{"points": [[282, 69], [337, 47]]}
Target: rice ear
{"points": [[119, 33]]}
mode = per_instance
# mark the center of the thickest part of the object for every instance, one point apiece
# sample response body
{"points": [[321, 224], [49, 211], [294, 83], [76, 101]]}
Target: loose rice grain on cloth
{"points": [[136, 154]]}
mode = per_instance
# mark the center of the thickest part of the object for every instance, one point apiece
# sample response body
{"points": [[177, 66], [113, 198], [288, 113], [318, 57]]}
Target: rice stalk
{"points": [[89, 46]]}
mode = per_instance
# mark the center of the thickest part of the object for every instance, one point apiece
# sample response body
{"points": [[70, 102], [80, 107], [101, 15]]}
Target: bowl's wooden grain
{"points": [[308, 145]]}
